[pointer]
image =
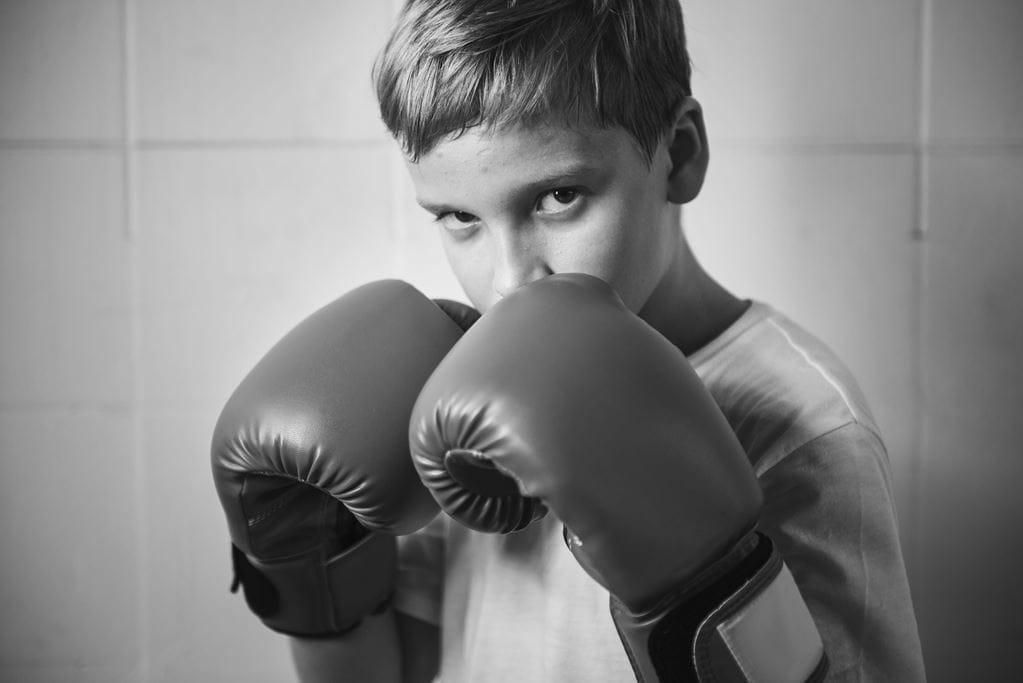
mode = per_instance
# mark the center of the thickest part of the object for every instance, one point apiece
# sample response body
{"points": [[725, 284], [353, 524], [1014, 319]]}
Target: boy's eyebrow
{"points": [[436, 209], [556, 177]]}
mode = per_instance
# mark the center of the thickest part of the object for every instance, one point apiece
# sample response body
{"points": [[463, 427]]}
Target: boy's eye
{"points": [[557, 201], [457, 221]]}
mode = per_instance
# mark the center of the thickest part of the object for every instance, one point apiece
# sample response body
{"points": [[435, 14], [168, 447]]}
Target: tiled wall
{"points": [[182, 180]]}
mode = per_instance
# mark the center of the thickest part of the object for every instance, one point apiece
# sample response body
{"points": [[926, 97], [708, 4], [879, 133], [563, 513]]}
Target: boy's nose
{"points": [[517, 262]]}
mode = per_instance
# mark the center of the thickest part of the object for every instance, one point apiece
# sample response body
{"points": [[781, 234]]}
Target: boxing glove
{"points": [[560, 398], [310, 457]]}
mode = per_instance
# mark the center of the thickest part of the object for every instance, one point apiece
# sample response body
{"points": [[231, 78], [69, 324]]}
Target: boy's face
{"points": [[517, 204]]}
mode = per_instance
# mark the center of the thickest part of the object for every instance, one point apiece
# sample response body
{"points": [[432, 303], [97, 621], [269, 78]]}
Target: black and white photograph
{"points": [[525, 341]]}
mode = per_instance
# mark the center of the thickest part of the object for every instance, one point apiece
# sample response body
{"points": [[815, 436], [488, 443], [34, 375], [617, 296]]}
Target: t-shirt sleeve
{"points": [[421, 572], [828, 506]]}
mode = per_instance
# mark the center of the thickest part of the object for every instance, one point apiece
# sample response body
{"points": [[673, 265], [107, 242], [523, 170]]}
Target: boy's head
{"points": [[550, 136], [451, 65]]}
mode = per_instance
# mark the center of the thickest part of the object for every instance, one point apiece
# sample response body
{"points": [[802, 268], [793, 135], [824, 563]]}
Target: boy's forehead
{"points": [[548, 144]]}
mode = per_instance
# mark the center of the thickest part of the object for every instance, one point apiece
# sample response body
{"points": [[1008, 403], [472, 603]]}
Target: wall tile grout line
{"points": [[131, 234], [267, 143], [62, 145], [396, 170], [932, 148], [143, 144], [924, 143], [920, 228], [399, 225]]}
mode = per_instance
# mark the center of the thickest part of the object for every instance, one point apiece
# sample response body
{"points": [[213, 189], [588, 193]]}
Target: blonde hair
{"points": [[451, 65]]}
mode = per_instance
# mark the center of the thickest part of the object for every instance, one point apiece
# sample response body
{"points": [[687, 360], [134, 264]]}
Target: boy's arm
{"points": [[828, 508], [420, 648], [369, 653], [386, 648]]}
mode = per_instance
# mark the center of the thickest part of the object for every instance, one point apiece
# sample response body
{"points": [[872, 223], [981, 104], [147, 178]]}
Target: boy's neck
{"points": [[689, 307]]}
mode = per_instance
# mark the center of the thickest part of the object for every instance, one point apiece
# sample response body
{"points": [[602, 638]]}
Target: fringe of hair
{"points": [[451, 65]]}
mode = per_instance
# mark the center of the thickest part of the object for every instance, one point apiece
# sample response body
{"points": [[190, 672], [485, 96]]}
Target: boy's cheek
{"points": [[471, 275]]}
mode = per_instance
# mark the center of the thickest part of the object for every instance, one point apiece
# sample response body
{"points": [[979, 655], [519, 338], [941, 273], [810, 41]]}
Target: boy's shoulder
{"points": [[779, 386]]}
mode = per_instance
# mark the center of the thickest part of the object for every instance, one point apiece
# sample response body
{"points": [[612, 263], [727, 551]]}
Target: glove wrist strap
{"points": [[742, 620], [311, 596]]}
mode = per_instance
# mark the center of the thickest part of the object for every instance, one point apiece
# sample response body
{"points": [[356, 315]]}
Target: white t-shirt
{"points": [[518, 607]]}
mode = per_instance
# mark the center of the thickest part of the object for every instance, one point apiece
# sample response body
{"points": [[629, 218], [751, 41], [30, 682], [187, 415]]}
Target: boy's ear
{"points": [[687, 148]]}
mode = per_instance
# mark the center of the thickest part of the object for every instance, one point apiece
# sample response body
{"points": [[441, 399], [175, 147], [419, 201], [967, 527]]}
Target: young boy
{"points": [[555, 137]]}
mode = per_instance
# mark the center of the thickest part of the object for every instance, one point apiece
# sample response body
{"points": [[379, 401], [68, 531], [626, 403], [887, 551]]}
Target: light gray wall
{"points": [[182, 180]]}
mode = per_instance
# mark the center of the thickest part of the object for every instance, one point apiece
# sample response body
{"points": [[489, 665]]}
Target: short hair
{"points": [[451, 65]]}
